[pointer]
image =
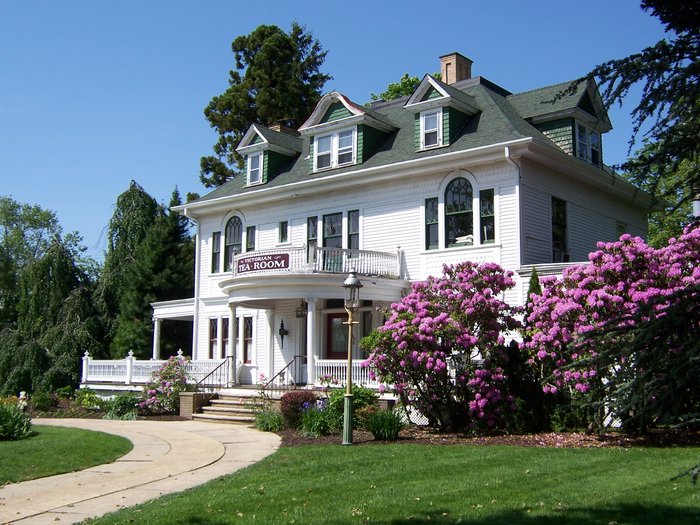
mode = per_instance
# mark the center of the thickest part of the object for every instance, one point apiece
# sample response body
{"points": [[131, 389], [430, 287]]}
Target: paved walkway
{"points": [[168, 456]]}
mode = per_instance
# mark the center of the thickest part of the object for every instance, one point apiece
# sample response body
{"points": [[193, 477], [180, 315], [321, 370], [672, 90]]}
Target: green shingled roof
{"points": [[550, 99], [284, 140], [501, 119]]}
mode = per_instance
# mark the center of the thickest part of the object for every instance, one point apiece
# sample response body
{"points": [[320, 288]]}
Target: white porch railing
{"points": [[317, 259], [132, 371], [337, 370]]}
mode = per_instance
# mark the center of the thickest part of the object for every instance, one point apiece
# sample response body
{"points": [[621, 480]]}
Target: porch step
{"points": [[231, 409]]}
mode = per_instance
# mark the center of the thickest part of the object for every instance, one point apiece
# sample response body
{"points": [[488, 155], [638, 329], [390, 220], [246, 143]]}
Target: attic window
{"points": [[588, 145], [335, 149], [431, 128], [254, 169]]}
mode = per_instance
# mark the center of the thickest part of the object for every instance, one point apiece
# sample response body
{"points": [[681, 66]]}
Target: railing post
{"points": [[86, 365], [129, 367], [399, 256]]}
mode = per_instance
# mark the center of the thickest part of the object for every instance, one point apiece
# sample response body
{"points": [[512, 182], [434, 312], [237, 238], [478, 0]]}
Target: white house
{"points": [[460, 170]]}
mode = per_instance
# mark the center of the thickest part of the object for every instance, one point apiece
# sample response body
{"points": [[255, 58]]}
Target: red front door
{"points": [[336, 336]]}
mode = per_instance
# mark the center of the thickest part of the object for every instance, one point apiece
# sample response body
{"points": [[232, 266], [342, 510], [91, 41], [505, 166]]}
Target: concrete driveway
{"points": [[168, 456]]}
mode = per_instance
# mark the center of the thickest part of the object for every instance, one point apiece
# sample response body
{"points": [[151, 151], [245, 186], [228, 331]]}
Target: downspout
{"points": [[197, 256], [518, 216]]}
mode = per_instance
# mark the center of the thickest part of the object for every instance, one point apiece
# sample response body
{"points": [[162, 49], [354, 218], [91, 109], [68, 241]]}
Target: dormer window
{"points": [[588, 145], [254, 168], [431, 128], [334, 150]]}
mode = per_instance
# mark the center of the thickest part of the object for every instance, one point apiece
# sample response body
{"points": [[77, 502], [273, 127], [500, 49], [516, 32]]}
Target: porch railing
{"points": [[213, 373], [317, 259], [336, 370], [132, 371]]}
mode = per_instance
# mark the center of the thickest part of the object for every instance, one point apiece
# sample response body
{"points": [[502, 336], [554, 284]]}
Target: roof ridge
{"points": [[550, 86]]}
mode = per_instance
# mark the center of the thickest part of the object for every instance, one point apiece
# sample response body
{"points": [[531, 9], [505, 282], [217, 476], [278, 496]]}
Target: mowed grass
{"points": [[408, 484], [55, 450]]}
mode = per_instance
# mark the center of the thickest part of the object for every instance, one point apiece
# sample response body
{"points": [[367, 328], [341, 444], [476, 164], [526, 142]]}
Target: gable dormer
{"points": [[571, 114], [342, 132], [266, 151], [440, 112]]}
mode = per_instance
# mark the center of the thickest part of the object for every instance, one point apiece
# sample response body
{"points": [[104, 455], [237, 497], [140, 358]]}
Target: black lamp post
{"points": [[352, 287]]}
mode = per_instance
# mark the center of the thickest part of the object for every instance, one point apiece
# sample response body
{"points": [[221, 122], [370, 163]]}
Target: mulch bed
{"points": [[421, 435]]}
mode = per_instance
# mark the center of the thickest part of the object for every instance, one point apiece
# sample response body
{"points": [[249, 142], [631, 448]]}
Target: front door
{"points": [[336, 336]]}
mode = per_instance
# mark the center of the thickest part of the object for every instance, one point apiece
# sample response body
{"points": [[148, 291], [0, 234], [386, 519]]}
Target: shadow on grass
{"points": [[622, 514]]}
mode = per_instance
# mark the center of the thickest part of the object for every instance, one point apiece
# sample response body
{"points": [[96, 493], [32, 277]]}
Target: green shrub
{"points": [[65, 392], [318, 420], [292, 406], [123, 406], [361, 397], [384, 425], [162, 393], [363, 413], [14, 423], [42, 401], [268, 419], [86, 398]]}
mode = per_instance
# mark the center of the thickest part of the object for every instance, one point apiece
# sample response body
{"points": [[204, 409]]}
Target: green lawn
{"points": [[55, 450], [408, 484]]}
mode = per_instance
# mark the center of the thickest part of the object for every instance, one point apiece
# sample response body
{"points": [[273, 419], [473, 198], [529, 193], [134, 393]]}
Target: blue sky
{"points": [[94, 93]]}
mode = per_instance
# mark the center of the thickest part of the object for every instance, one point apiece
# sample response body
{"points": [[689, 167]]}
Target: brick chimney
{"points": [[455, 67], [284, 129]]}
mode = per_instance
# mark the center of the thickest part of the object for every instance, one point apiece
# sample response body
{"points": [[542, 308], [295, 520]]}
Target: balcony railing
{"points": [[317, 259], [336, 370]]}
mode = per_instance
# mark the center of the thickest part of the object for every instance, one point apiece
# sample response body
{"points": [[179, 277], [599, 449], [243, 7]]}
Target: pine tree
{"points": [[162, 270], [277, 81]]}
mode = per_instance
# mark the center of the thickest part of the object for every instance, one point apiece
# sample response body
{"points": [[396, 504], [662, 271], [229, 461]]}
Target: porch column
{"points": [[156, 338], [232, 329], [311, 338], [220, 338], [269, 344]]}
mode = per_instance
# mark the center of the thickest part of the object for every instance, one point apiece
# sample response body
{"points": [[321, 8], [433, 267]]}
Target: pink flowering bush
{"points": [[583, 331], [162, 393], [438, 347]]}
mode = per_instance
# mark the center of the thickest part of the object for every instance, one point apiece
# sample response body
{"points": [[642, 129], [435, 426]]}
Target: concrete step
{"points": [[223, 418], [215, 409]]}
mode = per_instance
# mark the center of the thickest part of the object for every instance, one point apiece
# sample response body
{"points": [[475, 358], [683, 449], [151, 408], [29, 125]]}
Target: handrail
{"points": [[223, 365], [267, 386]]}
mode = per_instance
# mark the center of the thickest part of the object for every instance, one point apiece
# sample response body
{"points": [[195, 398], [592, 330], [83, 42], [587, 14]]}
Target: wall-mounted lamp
{"points": [[302, 310], [282, 331]]}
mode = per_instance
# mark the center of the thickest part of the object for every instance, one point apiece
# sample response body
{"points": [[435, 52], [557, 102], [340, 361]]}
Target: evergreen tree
{"points": [[162, 270], [277, 80], [47, 291], [134, 214], [669, 76]]}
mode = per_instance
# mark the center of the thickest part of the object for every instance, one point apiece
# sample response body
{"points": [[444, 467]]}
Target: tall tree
{"points": [[48, 291], [669, 75], [134, 214], [277, 80], [162, 270], [26, 232]]}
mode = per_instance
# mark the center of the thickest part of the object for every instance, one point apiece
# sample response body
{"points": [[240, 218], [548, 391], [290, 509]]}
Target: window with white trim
{"points": [[283, 230], [431, 128], [216, 252], [255, 162], [588, 145], [460, 217], [334, 150]]}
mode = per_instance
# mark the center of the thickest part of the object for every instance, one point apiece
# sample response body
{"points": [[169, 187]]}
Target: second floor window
{"points": [[431, 224], [283, 232], [459, 215], [250, 239], [216, 252], [560, 252], [335, 149], [354, 229], [233, 241]]}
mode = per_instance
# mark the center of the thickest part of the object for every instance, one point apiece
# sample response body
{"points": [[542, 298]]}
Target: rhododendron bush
{"points": [[623, 330], [438, 346]]}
